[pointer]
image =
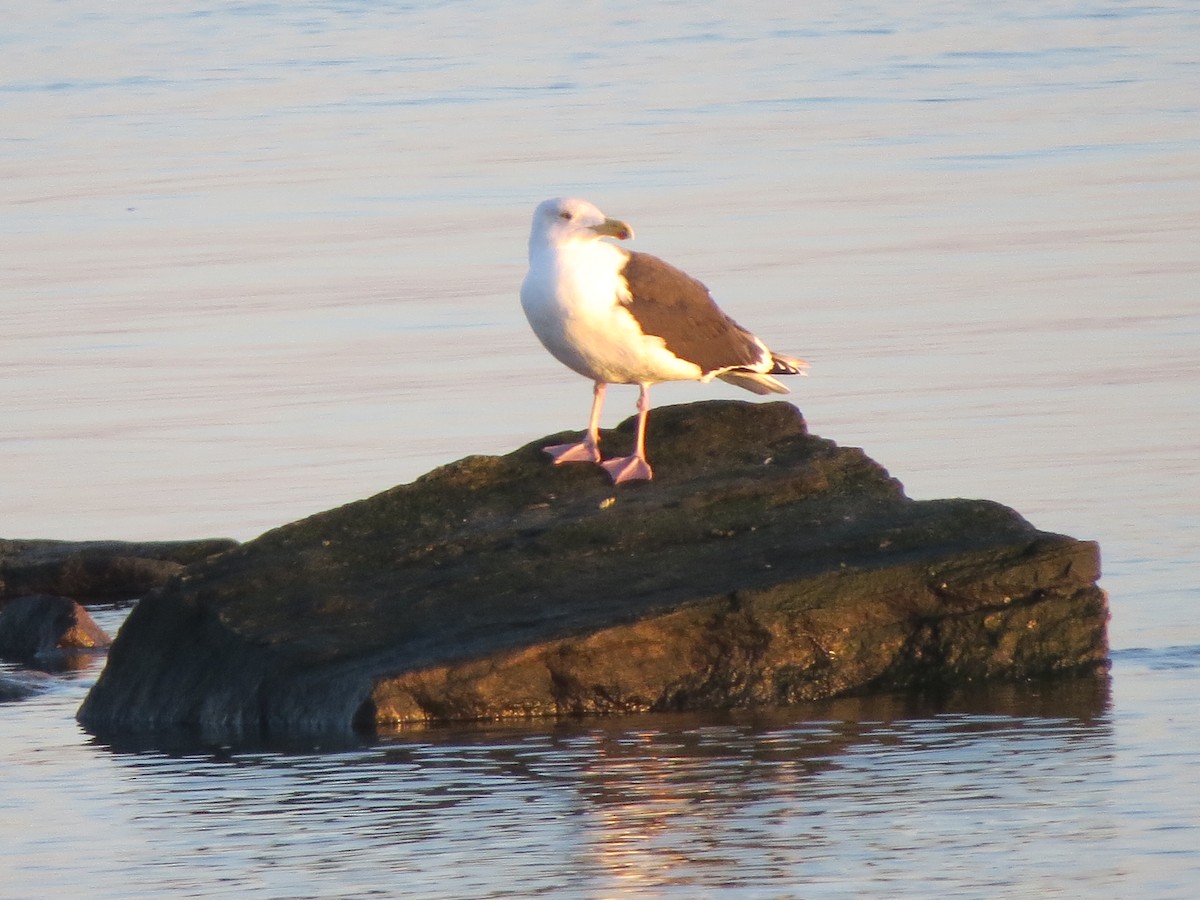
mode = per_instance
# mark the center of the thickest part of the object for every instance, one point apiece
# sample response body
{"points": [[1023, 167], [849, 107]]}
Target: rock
{"points": [[96, 572], [762, 566], [47, 629]]}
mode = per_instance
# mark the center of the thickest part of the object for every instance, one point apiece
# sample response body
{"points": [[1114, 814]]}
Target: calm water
{"points": [[257, 260], [1019, 792]]}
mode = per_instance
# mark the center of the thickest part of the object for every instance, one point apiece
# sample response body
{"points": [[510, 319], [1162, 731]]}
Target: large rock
{"points": [[763, 565], [96, 572]]}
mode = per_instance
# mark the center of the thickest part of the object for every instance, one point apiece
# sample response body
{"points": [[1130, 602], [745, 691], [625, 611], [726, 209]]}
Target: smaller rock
{"points": [[46, 628], [97, 572]]}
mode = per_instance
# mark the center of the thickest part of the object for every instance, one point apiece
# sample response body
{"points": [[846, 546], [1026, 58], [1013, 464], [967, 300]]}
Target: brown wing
{"points": [[674, 306]]}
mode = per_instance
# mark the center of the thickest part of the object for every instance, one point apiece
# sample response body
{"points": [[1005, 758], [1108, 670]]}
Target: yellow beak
{"points": [[614, 228]]}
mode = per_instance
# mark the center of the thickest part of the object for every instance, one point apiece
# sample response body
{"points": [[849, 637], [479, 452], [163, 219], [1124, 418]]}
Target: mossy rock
{"points": [[763, 565]]}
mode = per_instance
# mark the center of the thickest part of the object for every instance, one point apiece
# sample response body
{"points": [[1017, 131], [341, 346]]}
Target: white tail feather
{"points": [[754, 381]]}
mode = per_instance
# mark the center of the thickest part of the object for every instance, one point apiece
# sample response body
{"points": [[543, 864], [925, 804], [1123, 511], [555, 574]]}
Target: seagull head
{"points": [[562, 220]]}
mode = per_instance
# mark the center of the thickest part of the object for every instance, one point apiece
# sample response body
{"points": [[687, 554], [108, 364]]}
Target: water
{"points": [[1062, 790], [257, 260]]}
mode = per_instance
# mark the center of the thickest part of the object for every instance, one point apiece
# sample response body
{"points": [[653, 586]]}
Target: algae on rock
{"points": [[762, 566]]}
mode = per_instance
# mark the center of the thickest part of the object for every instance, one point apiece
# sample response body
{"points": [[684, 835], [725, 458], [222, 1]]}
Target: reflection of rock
{"points": [[761, 566], [17, 685], [45, 628], [96, 571]]}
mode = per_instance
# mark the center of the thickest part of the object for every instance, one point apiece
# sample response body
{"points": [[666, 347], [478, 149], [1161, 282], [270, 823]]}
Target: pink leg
{"points": [[634, 468], [587, 450]]}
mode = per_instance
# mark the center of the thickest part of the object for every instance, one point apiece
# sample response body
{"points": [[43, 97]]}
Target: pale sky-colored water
{"points": [[257, 260], [261, 260]]}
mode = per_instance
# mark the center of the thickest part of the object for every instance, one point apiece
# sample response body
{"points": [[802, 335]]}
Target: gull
{"points": [[621, 317]]}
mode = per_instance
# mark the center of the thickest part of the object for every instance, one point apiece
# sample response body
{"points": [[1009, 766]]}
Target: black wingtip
{"points": [[786, 365]]}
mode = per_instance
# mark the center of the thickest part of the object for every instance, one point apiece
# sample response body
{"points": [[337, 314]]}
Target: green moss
{"points": [[761, 565]]}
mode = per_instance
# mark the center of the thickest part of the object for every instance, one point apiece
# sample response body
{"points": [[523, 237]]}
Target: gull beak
{"points": [[614, 228]]}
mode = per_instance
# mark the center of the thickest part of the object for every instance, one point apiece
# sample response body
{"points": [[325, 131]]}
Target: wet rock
{"points": [[96, 572], [47, 629], [762, 566]]}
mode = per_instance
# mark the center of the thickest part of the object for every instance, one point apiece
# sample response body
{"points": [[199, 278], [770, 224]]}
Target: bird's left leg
{"points": [[587, 450], [634, 468]]}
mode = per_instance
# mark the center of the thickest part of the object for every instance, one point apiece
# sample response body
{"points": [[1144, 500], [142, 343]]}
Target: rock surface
{"points": [[96, 572], [41, 627], [763, 565]]}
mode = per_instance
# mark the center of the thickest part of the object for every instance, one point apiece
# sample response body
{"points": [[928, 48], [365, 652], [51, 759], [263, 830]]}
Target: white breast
{"points": [[572, 298]]}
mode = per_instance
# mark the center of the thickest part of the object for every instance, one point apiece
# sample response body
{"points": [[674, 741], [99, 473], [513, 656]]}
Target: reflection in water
{"points": [[1066, 786], [821, 793], [860, 794]]}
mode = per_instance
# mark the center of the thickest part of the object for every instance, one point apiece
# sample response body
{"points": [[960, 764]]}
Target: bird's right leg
{"points": [[587, 450]]}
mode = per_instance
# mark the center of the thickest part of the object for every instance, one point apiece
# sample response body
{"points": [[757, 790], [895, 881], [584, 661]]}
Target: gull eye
{"points": [[565, 216]]}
